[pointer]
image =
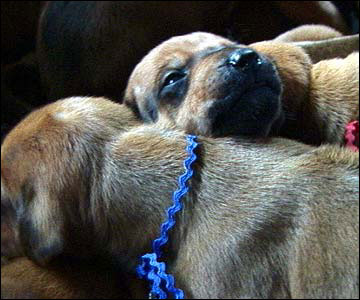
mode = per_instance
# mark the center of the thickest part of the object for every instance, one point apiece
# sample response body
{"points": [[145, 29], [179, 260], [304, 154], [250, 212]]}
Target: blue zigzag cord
{"points": [[150, 268]]}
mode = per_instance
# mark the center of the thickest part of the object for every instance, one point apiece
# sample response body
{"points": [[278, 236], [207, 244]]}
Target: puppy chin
{"points": [[252, 114]]}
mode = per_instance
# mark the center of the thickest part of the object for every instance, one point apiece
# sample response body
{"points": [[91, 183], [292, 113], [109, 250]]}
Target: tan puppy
{"points": [[262, 220], [209, 85], [96, 55]]}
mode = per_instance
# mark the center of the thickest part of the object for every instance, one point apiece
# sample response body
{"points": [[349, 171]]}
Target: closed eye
{"points": [[173, 87], [172, 77]]}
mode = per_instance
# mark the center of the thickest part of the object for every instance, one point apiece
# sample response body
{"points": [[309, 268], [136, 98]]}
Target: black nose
{"points": [[244, 58]]}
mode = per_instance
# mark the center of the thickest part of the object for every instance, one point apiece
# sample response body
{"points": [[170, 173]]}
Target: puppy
{"points": [[78, 57], [262, 220], [208, 85]]}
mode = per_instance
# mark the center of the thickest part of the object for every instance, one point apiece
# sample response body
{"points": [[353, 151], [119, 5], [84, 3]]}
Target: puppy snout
{"points": [[244, 58]]}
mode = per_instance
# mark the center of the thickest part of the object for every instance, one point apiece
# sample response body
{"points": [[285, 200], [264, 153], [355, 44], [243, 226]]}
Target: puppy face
{"points": [[207, 85]]}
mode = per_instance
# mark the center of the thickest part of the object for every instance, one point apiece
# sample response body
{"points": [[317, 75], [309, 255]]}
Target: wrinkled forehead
{"points": [[175, 51], [184, 46], [195, 42]]}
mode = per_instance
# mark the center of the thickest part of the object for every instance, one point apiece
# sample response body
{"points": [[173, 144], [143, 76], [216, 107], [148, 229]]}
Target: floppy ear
{"points": [[131, 103], [146, 109], [41, 227]]}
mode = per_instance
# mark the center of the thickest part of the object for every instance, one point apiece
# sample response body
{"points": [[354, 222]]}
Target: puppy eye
{"points": [[173, 77]]}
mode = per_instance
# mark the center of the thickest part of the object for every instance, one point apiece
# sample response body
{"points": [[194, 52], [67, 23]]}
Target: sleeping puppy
{"points": [[91, 53], [199, 82], [209, 85], [262, 220]]}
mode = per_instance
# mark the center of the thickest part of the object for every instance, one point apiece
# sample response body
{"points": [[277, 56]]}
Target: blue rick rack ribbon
{"points": [[163, 284]]}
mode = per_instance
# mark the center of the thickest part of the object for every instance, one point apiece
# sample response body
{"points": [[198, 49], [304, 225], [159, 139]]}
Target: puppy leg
{"points": [[308, 33], [321, 42]]}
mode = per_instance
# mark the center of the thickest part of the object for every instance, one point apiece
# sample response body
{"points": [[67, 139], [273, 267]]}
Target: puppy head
{"points": [[209, 85], [48, 163]]}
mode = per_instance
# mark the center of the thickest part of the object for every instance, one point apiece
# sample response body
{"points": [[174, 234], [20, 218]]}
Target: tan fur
{"points": [[321, 42], [263, 219], [316, 107], [336, 101], [322, 99], [308, 33], [77, 165], [339, 47]]}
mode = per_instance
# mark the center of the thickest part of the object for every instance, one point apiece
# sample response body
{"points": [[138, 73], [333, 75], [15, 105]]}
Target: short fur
{"points": [[313, 105], [265, 219]]}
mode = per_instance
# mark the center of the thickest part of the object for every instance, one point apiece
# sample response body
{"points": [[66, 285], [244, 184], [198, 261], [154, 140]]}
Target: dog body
{"points": [[208, 85], [274, 219]]}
